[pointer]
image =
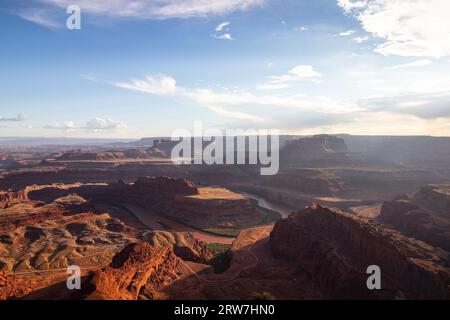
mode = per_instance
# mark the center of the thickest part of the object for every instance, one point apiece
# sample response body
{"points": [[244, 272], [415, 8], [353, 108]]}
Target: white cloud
{"points": [[99, 124], [222, 26], [68, 125], [347, 33], [220, 34], [272, 86], [419, 28], [159, 84], [301, 29], [157, 9], [349, 5], [19, 117], [419, 63], [361, 39], [225, 36], [96, 125], [297, 73], [235, 115]]}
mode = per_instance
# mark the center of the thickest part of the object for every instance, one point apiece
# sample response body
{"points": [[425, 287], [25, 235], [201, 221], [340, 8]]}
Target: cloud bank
{"points": [[414, 28], [95, 125]]}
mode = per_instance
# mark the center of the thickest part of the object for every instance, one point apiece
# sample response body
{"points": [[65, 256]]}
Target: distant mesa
{"points": [[319, 150], [321, 144]]}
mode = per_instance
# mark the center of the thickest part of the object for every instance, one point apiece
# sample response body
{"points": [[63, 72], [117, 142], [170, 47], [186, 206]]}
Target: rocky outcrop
{"points": [[424, 215], [12, 287], [8, 198], [184, 245], [191, 249], [33, 212], [336, 248], [13, 221], [137, 268]]}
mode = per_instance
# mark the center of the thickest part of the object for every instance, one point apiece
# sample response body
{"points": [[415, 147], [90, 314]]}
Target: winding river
{"points": [[264, 203]]}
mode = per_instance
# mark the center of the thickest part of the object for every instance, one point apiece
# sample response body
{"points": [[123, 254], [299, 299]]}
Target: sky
{"points": [[149, 67]]}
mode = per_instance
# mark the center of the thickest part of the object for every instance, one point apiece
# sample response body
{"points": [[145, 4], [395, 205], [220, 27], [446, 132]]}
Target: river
{"points": [[264, 203]]}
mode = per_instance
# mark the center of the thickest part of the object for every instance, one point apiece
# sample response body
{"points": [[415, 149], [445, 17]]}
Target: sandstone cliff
{"points": [[8, 198], [336, 248]]}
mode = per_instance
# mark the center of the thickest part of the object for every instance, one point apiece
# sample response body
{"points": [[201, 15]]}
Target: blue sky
{"points": [[301, 66]]}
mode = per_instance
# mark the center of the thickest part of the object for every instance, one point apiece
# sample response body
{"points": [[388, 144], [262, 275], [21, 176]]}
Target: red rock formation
{"points": [[136, 266], [336, 248], [12, 288], [192, 249], [14, 221], [7, 198]]}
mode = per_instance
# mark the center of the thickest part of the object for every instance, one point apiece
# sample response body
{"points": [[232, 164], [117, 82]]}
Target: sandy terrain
{"points": [[214, 193]]}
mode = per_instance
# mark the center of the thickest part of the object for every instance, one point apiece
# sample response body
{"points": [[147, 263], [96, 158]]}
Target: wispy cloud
{"points": [[159, 84], [300, 72], [361, 39], [40, 16], [418, 63], [95, 125], [225, 36], [161, 9], [230, 103], [236, 115], [222, 26], [347, 33], [222, 32]]}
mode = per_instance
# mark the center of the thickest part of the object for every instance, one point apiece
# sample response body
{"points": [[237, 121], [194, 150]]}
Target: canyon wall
{"points": [[336, 248]]}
